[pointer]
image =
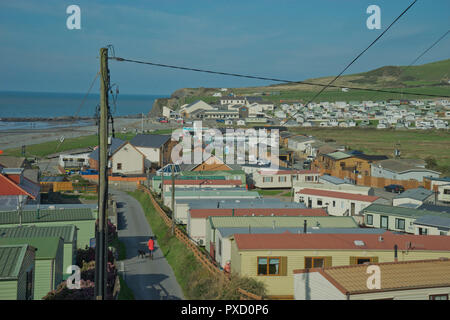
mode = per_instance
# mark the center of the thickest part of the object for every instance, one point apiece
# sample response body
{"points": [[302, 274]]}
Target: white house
{"points": [[154, 147], [416, 196], [337, 203], [188, 109], [279, 179], [401, 169], [406, 280]]}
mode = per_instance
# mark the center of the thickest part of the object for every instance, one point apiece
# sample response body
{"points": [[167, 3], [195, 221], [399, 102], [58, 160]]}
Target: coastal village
{"points": [[307, 229]]}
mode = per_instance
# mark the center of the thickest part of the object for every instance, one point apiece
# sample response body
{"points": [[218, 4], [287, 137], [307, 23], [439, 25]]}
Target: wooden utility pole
{"points": [[173, 199], [101, 253]]}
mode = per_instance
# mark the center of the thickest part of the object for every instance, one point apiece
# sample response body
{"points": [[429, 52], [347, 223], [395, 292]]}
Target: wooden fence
{"points": [[199, 255]]}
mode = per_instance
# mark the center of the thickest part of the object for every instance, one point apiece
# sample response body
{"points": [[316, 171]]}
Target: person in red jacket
{"points": [[151, 246]]}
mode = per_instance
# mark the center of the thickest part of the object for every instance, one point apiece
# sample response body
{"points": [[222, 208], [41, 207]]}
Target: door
{"points": [[309, 203], [352, 208]]}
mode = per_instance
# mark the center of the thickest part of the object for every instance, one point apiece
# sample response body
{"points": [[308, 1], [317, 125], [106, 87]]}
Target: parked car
{"points": [[394, 188], [89, 172]]}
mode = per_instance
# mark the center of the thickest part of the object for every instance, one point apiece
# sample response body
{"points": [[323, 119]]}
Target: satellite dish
{"points": [[61, 139]]}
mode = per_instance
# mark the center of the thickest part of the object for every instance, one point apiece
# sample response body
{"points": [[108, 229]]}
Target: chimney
{"points": [[305, 224], [395, 253]]}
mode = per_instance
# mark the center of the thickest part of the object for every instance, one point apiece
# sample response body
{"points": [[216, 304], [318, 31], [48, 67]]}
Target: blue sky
{"points": [[289, 39]]}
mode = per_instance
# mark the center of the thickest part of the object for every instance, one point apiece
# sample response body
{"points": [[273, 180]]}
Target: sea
{"points": [[52, 105]]}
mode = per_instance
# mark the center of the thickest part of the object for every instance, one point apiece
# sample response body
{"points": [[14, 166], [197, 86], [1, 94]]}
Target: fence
{"points": [[199, 255]]}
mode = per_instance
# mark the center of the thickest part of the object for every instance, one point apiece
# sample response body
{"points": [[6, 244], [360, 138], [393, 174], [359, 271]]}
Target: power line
{"points": [[268, 79], [362, 52]]}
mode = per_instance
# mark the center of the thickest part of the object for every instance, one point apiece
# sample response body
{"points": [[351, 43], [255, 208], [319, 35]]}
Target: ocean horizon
{"points": [[15, 104]]}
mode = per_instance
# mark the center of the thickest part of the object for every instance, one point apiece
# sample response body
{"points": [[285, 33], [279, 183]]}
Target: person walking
{"points": [[151, 246]]}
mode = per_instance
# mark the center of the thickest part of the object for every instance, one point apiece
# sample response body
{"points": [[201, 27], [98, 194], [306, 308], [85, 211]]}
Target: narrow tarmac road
{"points": [[148, 279]]}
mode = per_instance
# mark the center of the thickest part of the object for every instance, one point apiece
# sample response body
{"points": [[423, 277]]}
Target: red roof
{"points": [[10, 188], [339, 195], [318, 241], [205, 213]]}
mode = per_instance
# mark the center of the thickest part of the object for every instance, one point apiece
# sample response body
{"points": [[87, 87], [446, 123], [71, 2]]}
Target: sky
{"points": [[288, 39]]}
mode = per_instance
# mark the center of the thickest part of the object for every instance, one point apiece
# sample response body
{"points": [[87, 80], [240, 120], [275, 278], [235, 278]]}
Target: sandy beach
{"points": [[17, 138]]}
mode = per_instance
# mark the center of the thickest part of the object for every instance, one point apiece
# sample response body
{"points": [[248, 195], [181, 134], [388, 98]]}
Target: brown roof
{"points": [[206, 182], [205, 213], [339, 195], [290, 241], [394, 276]]}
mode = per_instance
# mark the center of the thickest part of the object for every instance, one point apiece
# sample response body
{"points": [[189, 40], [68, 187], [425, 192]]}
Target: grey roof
{"points": [[333, 179], [115, 144], [12, 162], [433, 207], [52, 179], [402, 165], [32, 174], [149, 140], [419, 194], [443, 179], [262, 203], [226, 232], [434, 221]]}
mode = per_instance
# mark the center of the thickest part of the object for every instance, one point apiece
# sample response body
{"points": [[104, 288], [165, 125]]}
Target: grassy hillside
{"points": [[431, 78]]}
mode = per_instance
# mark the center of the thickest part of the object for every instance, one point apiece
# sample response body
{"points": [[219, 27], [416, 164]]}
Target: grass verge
{"points": [[125, 292]]}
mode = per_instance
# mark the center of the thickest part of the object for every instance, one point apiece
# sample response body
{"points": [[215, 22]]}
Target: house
{"points": [[398, 218], [299, 143], [272, 258], [444, 193], [123, 158], [202, 184], [220, 230], [433, 225], [279, 179], [409, 280], [83, 217], [188, 109], [48, 262], [67, 232], [416, 196], [74, 161], [16, 189], [14, 162], [156, 148], [193, 194], [401, 169], [336, 203], [351, 165], [182, 207], [197, 218], [17, 274], [233, 100]]}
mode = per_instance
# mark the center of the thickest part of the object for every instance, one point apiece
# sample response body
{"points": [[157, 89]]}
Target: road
{"points": [[148, 279]]}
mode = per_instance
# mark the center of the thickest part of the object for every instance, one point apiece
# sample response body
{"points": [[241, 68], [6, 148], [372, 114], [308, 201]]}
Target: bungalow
{"points": [[272, 258], [401, 219], [271, 178], [197, 218], [409, 280], [210, 194], [83, 217], [182, 207], [17, 281], [123, 158], [16, 189], [156, 148], [220, 230], [401, 169], [233, 100], [48, 262], [336, 203], [67, 232], [416, 197], [299, 143]]}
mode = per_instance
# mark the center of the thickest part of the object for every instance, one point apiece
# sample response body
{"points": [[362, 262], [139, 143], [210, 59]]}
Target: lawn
{"points": [[269, 192], [412, 143]]}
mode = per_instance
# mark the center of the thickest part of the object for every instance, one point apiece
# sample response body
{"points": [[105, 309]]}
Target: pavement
{"points": [[148, 279]]}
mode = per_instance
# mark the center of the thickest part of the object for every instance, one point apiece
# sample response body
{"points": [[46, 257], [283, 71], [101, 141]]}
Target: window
{"points": [[334, 204], [446, 191], [268, 266], [439, 297], [369, 219], [220, 247], [267, 179], [384, 222], [29, 286], [423, 231], [319, 202], [317, 262], [362, 260], [119, 166], [282, 179], [400, 224]]}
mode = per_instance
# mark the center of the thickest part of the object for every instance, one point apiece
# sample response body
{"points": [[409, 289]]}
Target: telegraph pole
{"points": [[173, 199], [100, 236]]}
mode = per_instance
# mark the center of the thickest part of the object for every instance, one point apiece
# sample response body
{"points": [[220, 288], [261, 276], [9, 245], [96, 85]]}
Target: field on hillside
{"points": [[412, 143]]}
